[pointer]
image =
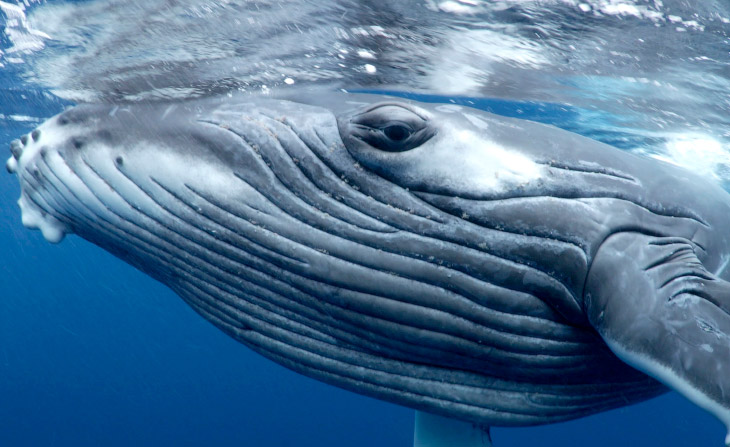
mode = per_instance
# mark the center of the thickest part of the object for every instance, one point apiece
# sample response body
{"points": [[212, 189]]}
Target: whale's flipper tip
{"points": [[437, 431], [659, 310]]}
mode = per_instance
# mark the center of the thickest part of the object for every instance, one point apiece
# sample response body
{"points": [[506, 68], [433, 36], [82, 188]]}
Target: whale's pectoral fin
{"points": [[438, 431], [662, 312]]}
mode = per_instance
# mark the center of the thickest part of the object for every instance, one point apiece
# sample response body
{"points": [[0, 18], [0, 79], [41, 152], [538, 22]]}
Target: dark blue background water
{"points": [[93, 353]]}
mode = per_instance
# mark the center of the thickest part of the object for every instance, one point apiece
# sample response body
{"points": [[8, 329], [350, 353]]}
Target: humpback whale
{"points": [[477, 268]]}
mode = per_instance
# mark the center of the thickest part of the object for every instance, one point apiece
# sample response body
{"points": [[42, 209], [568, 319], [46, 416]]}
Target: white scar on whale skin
{"points": [[482, 163], [147, 166]]}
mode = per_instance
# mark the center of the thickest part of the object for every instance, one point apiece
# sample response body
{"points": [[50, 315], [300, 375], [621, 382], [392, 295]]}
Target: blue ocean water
{"points": [[94, 353]]}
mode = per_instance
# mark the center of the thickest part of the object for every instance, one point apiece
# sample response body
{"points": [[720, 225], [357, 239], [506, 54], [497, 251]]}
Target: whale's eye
{"points": [[397, 132], [392, 127]]}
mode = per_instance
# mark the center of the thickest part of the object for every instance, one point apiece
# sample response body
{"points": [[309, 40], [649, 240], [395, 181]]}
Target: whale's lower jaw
{"points": [[313, 280], [456, 394]]}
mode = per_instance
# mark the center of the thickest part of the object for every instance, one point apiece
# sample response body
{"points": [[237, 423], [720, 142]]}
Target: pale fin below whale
{"points": [[437, 431]]}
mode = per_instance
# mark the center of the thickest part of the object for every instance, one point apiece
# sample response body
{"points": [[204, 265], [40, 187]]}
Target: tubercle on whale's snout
{"points": [[11, 165], [33, 216]]}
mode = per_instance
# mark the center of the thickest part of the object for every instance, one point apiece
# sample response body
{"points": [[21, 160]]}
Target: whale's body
{"points": [[477, 267]]}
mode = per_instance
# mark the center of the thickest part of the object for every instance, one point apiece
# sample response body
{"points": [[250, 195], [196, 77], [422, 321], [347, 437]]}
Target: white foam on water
{"points": [[22, 35], [457, 7], [619, 8], [699, 153], [365, 54], [21, 118], [455, 71], [597, 7]]}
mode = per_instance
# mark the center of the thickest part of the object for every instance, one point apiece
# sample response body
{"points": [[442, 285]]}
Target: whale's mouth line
{"points": [[596, 170]]}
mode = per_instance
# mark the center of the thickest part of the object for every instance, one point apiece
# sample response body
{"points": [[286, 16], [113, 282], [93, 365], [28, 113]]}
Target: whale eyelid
{"points": [[390, 114], [404, 105]]}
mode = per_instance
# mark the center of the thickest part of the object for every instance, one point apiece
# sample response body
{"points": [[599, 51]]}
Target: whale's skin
{"points": [[473, 266]]}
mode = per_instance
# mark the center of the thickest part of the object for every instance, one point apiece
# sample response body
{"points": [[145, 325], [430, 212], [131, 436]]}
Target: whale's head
{"points": [[359, 241]]}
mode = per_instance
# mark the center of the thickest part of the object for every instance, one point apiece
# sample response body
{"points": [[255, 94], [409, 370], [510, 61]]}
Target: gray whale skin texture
{"points": [[472, 266]]}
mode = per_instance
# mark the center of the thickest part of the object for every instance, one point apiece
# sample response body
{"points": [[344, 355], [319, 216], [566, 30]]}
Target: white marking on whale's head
{"points": [[476, 121], [464, 154], [470, 160], [89, 174]]}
